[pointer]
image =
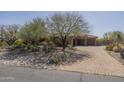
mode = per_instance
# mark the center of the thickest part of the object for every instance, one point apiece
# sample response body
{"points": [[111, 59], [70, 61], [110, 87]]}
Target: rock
{"points": [[37, 60], [44, 67]]}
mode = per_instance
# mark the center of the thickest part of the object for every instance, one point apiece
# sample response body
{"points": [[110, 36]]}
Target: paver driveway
{"points": [[99, 63]]}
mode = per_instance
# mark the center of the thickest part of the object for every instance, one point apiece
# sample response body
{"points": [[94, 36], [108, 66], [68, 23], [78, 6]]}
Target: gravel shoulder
{"points": [[99, 63], [117, 56]]}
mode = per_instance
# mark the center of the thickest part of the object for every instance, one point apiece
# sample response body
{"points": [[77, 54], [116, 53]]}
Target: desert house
{"points": [[86, 40], [82, 40]]}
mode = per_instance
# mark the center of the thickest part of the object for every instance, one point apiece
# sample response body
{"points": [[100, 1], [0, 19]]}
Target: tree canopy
{"points": [[33, 31], [65, 24], [115, 36]]}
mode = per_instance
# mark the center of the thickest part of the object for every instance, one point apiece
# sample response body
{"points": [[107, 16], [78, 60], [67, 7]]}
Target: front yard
{"points": [[88, 59], [42, 59]]}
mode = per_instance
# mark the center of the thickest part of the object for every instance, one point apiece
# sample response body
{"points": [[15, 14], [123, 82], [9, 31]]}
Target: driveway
{"points": [[99, 63]]}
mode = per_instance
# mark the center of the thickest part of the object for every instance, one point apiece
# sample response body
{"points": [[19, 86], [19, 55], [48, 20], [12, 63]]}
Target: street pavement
{"points": [[21, 74]]}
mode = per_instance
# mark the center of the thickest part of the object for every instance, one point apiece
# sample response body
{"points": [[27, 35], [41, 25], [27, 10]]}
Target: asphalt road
{"points": [[21, 74]]}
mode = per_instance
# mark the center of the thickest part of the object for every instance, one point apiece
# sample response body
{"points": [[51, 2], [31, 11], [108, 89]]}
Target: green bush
{"points": [[109, 47], [19, 43]]}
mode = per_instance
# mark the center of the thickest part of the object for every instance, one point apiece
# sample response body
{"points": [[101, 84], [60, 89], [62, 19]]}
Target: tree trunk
{"points": [[63, 45]]}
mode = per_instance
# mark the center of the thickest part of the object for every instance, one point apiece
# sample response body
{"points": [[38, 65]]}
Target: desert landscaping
{"points": [[62, 42]]}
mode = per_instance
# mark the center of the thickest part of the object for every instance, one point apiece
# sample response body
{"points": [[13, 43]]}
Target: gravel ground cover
{"points": [[117, 56], [41, 59]]}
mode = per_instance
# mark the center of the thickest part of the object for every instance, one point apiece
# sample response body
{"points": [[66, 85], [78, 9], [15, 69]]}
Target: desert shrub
{"points": [[109, 47], [54, 60], [100, 41], [71, 47], [3, 44], [121, 46], [116, 49], [48, 45], [19, 43], [9, 34], [50, 41], [47, 48], [67, 57], [33, 48], [57, 57]]}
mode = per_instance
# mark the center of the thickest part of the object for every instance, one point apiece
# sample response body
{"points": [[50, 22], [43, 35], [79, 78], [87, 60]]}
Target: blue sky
{"points": [[100, 22]]}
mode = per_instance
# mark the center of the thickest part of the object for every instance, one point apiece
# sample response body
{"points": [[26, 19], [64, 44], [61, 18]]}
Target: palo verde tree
{"points": [[65, 24], [33, 31]]}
